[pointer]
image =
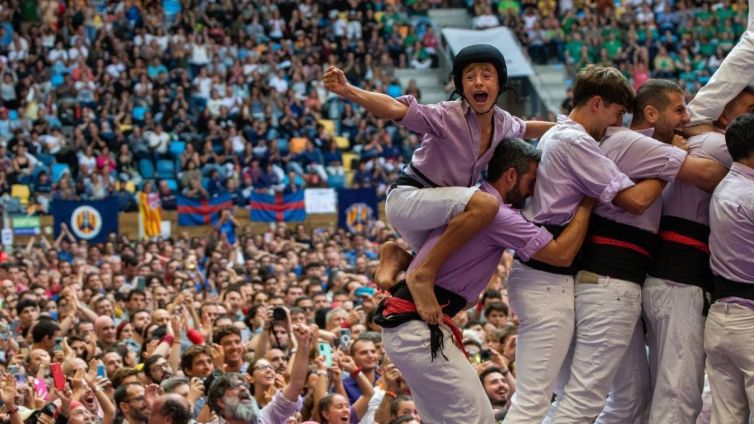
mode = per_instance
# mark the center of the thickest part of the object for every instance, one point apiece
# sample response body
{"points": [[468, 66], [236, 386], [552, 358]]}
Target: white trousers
{"points": [[728, 81], [445, 392], [628, 401], [607, 312], [729, 344], [675, 335], [416, 212], [545, 308]]}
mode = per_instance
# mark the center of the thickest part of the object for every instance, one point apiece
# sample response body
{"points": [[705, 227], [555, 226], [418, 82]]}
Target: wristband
{"points": [[390, 394], [167, 339], [355, 372], [13, 411]]}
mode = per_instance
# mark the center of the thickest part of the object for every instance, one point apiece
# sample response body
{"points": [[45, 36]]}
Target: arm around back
{"points": [[560, 252]]}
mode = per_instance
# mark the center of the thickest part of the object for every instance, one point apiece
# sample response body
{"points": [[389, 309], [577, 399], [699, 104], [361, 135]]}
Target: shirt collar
{"points": [[614, 130], [742, 169]]}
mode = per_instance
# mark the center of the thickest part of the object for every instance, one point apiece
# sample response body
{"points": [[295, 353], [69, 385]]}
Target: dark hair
{"points": [[654, 92], [496, 306], [42, 329], [395, 404], [739, 137], [488, 371], [169, 384], [132, 316], [148, 365], [25, 303], [121, 393], [178, 412], [121, 374], [135, 292], [511, 153], [187, 359], [402, 419], [224, 332], [606, 82]]}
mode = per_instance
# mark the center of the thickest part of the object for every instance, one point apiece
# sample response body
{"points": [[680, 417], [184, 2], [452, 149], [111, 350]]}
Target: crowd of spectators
{"points": [[671, 39], [98, 97], [275, 326]]}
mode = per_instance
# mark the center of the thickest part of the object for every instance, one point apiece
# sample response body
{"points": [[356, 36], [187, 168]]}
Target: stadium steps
{"points": [[551, 82], [450, 18], [429, 81]]}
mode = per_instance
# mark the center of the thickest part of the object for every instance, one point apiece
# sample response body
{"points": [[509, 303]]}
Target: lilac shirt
{"points": [[685, 200], [449, 152], [640, 157], [731, 215], [572, 166], [279, 409], [470, 268]]}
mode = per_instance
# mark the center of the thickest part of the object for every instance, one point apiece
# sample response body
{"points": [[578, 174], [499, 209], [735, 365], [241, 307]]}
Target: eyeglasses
{"points": [[137, 398], [263, 368], [307, 308]]}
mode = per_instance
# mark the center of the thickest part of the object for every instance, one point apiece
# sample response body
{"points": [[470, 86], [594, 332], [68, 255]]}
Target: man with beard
{"points": [[497, 389], [139, 319], [131, 401], [157, 368], [435, 374], [229, 396]]}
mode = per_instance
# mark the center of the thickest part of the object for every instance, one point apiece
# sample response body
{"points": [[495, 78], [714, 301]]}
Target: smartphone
{"points": [[141, 283], [364, 291], [345, 338], [18, 372], [57, 375], [279, 314], [58, 344], [40, 386], [485, 355], [101, 370], [326, 351]]}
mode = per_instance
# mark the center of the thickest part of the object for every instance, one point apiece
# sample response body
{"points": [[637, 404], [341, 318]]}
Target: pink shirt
{"points": [[685, 200], [449, 151], [572, 166], [640, 157], [731, 240], [469, 269]]}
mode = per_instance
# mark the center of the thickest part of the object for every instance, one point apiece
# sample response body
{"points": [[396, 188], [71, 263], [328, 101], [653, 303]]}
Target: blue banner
{"points": [[92, 221], [278, 208], [357, 208], [202, 211]]}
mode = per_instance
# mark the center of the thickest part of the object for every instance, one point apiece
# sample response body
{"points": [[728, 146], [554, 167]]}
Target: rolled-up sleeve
{"points": [[422, 119], [279, 409], [598, 176], [515, 127], [511, 231]]}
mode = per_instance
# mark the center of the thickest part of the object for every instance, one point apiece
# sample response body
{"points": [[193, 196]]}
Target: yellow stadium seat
{"points": [[297, 144], [342, 142], [328, 124], [21, 192], [349, 179], [348, 160], [130, 187]]}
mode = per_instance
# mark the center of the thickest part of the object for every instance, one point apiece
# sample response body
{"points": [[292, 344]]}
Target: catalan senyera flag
{"points": [[278, 207], [202, 211], [149, 213]]}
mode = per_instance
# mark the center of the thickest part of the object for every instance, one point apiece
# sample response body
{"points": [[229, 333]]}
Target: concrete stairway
{"points": [[551, 83], [429, 81]]}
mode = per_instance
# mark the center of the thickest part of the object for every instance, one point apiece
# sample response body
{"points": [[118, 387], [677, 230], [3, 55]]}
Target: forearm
{"points": [[535, 129], [638, 198], [87, 313], [320, 391], [378, 104], [703, 173], [562, 251], [298, 373], [104, 402]]}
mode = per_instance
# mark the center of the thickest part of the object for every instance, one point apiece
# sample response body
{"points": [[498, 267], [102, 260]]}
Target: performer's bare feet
{"points": [[393, 261], [421, 284]]}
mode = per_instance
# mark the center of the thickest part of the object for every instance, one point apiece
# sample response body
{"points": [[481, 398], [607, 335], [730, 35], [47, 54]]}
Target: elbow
{"points": [[563, 260], [636, 206]]}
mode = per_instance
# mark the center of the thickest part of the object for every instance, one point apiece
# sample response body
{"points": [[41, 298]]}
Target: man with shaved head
{"points": [[170, 409]]}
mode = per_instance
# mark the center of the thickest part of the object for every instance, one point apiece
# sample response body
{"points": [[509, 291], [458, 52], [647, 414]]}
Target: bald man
{"points": [[170, 409]]}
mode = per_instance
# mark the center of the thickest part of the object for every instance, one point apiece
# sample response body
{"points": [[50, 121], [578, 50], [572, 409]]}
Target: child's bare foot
{"points": [[393, 261], [421, 286]]}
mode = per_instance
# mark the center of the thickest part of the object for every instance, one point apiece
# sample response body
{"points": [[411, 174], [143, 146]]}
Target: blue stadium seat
{"points": [[172, 185], [46, 159], [146, 169], [165, 169], [336, 181], [57, 171], [177, 148]]}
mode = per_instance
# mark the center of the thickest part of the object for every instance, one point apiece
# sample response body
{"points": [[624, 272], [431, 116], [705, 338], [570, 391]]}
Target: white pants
{"points": [[728, 81], [675, 335], [729, 344], [628, 401], [445, 392], [544, 304], [607, 312], [416, 212]]}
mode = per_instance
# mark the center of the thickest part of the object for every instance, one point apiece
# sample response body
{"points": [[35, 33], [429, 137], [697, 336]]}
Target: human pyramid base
{"points": [[633, 279]]}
